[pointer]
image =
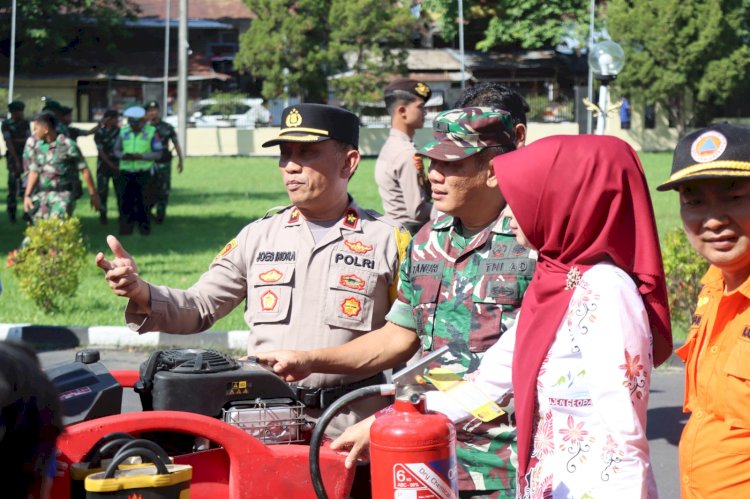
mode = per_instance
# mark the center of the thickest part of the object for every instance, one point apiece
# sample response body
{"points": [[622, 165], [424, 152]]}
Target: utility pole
{"points": [[182, 71], [589, 117], [461, 42], [167, 22], [12, 76]]}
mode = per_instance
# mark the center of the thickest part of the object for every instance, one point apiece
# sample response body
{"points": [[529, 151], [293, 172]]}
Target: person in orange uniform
{"points": [[711, 172]]}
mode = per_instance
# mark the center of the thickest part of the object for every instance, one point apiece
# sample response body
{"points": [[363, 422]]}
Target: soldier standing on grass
{"points": [[16, 130], [161, 181], [107, 164], [54, 161]]}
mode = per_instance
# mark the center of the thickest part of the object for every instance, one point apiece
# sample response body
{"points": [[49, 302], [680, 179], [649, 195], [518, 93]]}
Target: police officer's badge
{"points": [[422, 89], [293, 118]]}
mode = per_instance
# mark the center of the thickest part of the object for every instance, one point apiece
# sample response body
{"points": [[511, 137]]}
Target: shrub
{"points": [[684, 268], [48, 266]]}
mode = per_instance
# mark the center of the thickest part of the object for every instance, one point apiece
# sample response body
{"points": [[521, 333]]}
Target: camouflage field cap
{"points": [[460, 133]]}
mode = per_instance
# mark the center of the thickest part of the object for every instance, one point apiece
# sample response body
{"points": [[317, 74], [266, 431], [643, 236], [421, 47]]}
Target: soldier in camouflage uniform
{"points": [[161, 181], [107, 164], [16, 131], [461, 285], [54, 161]]}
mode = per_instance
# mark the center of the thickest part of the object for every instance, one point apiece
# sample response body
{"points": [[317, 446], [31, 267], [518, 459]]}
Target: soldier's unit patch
{"points": [[358, 247], [351, 217], [268, 301], [294, 216], [272, 275], [352, 281], [227, 249], [351, 307]]}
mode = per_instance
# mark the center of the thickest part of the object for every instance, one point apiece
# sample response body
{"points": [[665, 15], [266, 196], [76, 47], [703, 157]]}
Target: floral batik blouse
{"points": [[589, 437]]}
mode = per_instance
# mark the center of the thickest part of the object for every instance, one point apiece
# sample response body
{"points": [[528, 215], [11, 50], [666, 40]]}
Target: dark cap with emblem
{"points": [[460, 133], [16, 105], [51, 105], [719, 151], [316, 123], [152, 104], [413, 87], [64, 110]]}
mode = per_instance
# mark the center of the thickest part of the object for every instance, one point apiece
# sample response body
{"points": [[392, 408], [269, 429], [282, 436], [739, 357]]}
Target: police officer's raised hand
{"points": [[355, 439], [292, 365], [122, 275]]}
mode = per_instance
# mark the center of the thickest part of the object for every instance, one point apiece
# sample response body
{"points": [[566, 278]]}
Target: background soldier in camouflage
{"points": [[161, 181], [107, 164], [16, 131], [461, 285], [54, 161]]}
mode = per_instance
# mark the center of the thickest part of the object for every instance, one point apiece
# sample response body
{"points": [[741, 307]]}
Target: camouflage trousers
{"points": [[49, 204], [157, 190]]}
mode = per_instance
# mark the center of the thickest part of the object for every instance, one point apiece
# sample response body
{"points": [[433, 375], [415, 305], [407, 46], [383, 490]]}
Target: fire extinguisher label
{"points": [[420, 481]]}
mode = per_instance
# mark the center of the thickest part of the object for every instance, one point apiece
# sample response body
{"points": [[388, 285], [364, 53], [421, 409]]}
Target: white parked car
{"points": [[243, 113]]}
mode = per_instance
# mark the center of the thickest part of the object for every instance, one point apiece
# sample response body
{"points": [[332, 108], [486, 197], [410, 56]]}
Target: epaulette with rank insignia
{"points": [[276, 209]]}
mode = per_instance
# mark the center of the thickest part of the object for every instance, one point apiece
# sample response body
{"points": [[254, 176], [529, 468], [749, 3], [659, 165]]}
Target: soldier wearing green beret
{"points": [[16, 131]]}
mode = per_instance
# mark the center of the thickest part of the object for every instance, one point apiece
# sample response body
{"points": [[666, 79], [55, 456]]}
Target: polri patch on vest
{"points": [[358, 247], [354, 260], [276, 256], [227, 249], [430, 268], [268, 301], [351, 307], [352, 281], [271, 276]]}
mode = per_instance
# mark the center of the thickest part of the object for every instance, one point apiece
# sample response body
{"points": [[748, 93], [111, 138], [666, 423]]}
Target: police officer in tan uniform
{"points": [[318, 273], [399, 170]]}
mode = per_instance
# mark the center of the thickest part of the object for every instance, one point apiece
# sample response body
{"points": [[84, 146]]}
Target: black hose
{"points": [[323, 422]]}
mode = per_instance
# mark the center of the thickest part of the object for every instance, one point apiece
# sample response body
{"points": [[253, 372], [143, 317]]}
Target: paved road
{"points": [[665, 417]]}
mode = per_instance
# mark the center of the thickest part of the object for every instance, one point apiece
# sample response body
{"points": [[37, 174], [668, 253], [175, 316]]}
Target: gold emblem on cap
{"points": [[422, 89], [293, 118]]}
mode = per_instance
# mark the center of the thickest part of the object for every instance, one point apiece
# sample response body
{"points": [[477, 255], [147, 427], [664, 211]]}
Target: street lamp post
{"points": [[606, 60]]}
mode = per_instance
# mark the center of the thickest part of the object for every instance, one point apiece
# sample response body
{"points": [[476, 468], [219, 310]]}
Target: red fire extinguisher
{"points": [[413, 454]]}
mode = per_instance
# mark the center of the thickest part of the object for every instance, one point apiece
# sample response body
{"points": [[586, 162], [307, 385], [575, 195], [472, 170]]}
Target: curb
{"points": [[61, 338]]}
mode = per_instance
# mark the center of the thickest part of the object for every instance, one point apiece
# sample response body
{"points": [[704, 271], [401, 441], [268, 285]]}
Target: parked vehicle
{"points": [[242, 113]]}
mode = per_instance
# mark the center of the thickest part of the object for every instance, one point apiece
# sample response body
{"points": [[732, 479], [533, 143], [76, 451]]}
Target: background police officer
{"points": [[161, 181], [399, 170], [137, 147], [16, 130]]}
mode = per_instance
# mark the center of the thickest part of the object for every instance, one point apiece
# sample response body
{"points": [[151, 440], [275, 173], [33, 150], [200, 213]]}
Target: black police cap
{"points": [[152, 104], [416, 88], [65, 110], [16, 105], [316, 123], [719, 151]]}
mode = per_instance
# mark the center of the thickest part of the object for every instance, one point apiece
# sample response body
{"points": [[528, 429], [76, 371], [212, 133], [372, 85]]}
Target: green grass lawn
{"points": [[211, 201]]}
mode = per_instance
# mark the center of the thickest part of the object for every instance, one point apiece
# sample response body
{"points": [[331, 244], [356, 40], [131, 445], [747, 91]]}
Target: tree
{"points": [[367, 43], [689, 56], [286, 47], [294, 45], [55, 30], [528, 23]]}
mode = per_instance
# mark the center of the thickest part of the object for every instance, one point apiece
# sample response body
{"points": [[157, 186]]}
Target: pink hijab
{"points": [[579, 200]]}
